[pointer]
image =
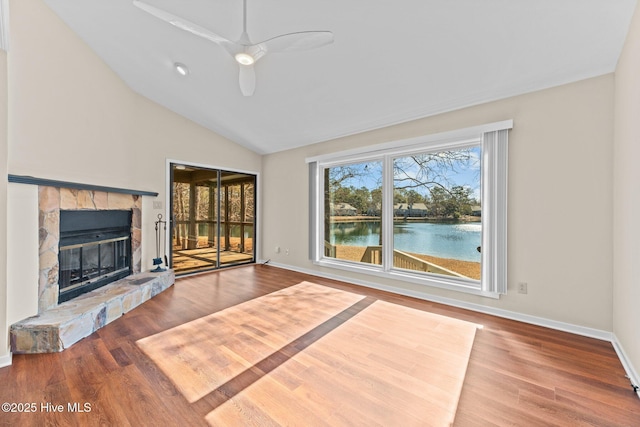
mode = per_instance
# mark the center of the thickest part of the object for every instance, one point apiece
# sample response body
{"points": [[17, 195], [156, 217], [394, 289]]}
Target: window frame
{"points": [[493, 140]]}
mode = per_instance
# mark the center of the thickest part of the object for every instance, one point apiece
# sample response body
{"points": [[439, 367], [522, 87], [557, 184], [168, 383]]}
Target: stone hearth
{"points": [[68, 322], [58, 326]]}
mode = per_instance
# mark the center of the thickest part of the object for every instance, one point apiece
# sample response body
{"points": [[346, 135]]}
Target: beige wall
{"points": [[626, 225], [22, 271], [4, 340], [73, 119], [560, 178]]}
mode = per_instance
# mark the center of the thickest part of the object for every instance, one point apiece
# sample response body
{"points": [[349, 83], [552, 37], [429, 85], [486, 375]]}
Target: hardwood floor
{"points": [[517, 374]]}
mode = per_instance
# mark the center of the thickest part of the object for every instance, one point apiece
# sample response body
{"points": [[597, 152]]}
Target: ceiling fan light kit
{"points": [[244, 58], [245, 53]]}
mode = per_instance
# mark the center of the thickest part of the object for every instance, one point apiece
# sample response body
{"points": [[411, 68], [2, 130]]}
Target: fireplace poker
{"points": [[161, 235]]}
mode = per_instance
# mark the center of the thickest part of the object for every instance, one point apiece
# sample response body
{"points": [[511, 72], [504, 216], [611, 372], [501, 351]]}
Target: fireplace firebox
{"points": [[95, 250]]}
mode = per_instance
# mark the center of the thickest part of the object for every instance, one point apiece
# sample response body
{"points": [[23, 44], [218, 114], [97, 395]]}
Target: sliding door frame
{"points": [[168, 208]]}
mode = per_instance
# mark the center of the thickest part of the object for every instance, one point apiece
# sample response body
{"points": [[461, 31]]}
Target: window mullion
{"points": [[387, 213]]}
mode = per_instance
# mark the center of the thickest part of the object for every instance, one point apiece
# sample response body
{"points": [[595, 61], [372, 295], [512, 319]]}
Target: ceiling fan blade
{"points": [[185, 25], [304, 40], [247, 80]]}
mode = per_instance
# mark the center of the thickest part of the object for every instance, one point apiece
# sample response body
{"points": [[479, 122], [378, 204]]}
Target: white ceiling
{"points": [[392, 61]]}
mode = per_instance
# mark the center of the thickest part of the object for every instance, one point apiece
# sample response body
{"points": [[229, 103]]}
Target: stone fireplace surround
{"points": [[57, 326], [51, 201]]}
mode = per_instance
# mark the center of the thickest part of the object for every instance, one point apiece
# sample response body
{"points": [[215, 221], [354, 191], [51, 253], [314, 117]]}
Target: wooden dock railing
{"points": [[373, 255], [329, 249]]}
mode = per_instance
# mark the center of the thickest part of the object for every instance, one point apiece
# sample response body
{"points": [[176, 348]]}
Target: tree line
{"points": [[440, 203], [427, 178]]}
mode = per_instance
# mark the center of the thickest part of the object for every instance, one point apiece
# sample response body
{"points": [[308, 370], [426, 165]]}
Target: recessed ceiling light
{"points": [[244, 58], [181, 167], [181, 69]]}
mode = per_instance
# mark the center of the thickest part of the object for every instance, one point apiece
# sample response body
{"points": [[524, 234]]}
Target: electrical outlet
{"points": [[157, 204], [522, 287], [286, 251]]}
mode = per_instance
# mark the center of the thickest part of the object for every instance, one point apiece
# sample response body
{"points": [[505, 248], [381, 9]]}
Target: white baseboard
{"points": [[5, 360], [632, 374], [534, 320]]}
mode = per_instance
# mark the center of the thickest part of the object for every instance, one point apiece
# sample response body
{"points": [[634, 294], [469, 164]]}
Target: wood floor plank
{"points": [[517, 374]]}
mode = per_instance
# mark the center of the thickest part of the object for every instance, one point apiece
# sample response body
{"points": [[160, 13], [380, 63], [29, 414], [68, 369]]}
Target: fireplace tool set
{"points": [[161, 236]]}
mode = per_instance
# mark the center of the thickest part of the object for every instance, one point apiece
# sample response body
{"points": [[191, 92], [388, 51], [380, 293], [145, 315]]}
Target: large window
{"points": [[352, 211], [437, 225], [430, 210]]}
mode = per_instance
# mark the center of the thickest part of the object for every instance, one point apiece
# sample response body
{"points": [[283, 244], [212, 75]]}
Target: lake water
{"points": [[445, 240]]}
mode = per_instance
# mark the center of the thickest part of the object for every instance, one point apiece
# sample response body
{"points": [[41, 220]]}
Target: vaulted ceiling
{"points": [[390, 62]]}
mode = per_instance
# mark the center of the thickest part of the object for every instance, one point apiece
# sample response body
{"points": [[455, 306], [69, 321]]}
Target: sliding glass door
{"points": [[213, 218]]}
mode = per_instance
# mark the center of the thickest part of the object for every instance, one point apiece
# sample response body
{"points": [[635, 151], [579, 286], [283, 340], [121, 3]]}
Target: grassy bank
{"points": [[466, 268]]}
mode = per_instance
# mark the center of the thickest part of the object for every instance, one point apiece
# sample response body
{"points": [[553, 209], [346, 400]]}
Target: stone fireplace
{"points": [[53, 200], [63, 319]]}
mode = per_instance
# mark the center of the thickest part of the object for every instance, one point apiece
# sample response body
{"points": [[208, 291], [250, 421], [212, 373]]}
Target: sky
{"points": [[466, 174]]}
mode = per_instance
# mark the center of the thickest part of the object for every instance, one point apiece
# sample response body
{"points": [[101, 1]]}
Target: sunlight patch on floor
{"points": [[388, 365], [206, 353]]}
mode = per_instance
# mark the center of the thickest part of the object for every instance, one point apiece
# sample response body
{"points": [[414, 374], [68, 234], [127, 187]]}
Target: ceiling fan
{"points": [[244, 51]]}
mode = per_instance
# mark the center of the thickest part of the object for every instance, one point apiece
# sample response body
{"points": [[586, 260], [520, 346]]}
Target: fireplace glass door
{"points": [[94, 250], [88, 263]]}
